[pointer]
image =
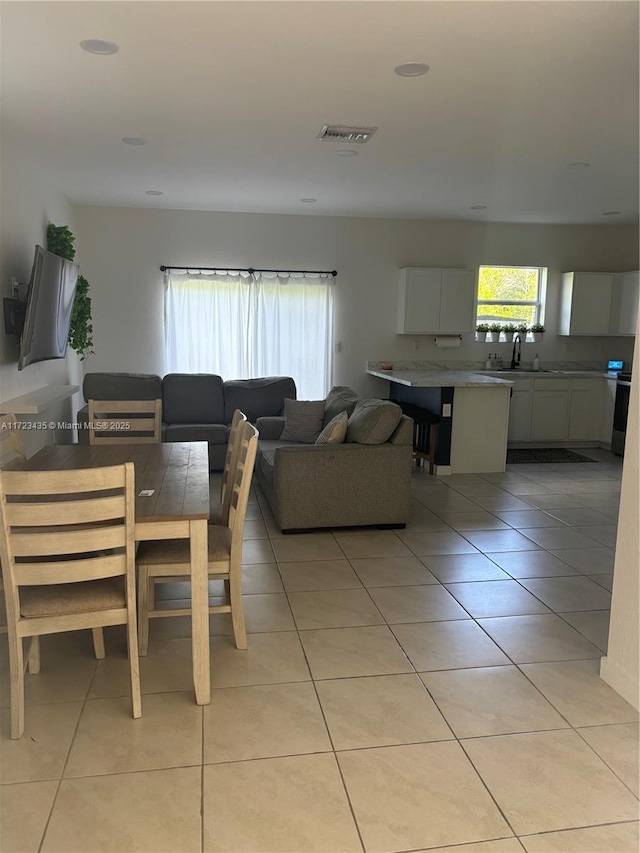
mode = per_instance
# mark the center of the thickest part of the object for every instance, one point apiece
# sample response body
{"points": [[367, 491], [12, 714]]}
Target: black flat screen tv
{"points": [[52, 289]]}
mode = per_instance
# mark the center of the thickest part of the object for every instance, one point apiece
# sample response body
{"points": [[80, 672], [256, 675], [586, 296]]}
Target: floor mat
{"points": [[552, 454]]}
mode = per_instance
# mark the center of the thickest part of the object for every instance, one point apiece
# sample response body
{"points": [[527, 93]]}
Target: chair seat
{"points": [[176, 551], [62, 599]]}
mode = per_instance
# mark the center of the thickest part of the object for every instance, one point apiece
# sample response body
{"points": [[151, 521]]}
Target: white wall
{"points": [[27, 203], [123, 248], [621, 667]]}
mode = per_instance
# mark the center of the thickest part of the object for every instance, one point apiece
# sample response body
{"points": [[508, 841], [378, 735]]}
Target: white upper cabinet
{"points": [[599, 303], [440, 301], [624, 303], [585, 303]]}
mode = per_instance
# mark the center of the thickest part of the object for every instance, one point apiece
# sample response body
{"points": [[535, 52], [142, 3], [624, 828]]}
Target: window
{"points": [[510, 295], [242, 326]]}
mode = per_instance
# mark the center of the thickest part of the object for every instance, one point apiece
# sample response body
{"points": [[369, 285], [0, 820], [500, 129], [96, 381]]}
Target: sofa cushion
{"points": [[257, 397], [373, 421], [335, 431], [193, 398], [339, 399], [213, 433], [122, 386], [302, 420]]}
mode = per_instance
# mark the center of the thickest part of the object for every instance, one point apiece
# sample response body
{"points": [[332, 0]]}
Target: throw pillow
{"points": [[373, 421], [339, 399], [302, 420], [335, 431]]}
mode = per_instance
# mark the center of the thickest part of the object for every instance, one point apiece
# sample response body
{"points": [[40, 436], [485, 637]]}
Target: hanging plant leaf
{"points": [[60, 241]]}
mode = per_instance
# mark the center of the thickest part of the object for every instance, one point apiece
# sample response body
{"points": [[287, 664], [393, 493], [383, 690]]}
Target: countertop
{"points": [[440, 378], [477, 378]]}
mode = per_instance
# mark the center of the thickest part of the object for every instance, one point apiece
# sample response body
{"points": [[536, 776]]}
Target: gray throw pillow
{"points": [[339, 399], [335, 431], [373, 421], [302, 420]]}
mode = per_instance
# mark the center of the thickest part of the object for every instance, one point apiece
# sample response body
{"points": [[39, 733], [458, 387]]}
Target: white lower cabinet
{"points": [[561, 409], [550, 410]]}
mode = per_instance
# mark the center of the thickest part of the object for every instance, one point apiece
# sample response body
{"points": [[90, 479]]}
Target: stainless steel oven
{"points": [[620, 413]]}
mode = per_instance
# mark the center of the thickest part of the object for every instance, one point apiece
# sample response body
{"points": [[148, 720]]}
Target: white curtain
{"points": [[243, 325]]}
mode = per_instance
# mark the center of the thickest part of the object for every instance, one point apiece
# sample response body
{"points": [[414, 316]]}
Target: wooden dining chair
{"points": [[68, 562], [11, 453], [125, 421], [168, 561], [220, 511], [11, 449]]}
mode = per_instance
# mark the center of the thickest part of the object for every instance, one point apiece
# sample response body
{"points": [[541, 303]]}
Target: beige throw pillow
{"points": [[335, 431], [373, 421], [302, 420]]}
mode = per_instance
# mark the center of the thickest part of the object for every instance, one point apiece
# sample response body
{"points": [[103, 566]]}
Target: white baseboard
{"points": [[443, 470], [621, 681]]}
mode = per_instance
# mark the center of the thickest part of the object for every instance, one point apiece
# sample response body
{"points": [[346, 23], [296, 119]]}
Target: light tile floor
{"points": [[434, 688]]}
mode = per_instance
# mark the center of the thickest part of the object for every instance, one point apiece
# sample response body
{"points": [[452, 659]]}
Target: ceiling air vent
{"points": [[341, 133]]}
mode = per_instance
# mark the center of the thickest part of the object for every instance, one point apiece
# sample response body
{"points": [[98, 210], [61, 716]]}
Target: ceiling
{"points": [[230, 97]]}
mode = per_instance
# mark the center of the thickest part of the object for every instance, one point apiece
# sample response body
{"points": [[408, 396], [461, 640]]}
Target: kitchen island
{"points": [[474, 415]]}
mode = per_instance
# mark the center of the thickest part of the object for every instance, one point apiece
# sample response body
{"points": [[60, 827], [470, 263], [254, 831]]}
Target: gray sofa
{"points": [[336, 485], [195, 406]]}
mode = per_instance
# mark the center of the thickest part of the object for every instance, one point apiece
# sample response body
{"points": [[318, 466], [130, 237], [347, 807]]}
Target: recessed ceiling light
{"points": [[411, 69], [103, 48], [478, 207], [579, 164], [308, 200], [347, 152], [153, 192], [134, 140], [611, 213]]}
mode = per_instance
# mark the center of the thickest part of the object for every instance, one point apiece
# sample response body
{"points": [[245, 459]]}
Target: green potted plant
{"points": [[494, 332], [481, 331], [537, 331], [60, 241], [509, 330], [522, 331]]}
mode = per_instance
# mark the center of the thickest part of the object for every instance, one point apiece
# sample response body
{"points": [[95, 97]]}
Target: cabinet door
{"points": [[584, 409], [457, 303], [419, 301], [586, 303], [608, 402], [550, 416], [520, 416], [624, 303]]}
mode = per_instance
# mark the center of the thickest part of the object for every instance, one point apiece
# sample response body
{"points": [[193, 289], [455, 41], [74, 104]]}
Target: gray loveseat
{"points": [[336, 485], [195, 406]]}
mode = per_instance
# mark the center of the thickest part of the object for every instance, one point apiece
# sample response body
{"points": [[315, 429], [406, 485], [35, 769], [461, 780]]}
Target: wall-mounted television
{"points": [[52, 289]]}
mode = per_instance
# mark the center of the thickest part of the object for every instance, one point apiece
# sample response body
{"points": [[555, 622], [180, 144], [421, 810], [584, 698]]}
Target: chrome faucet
{"points": [[515, 355]]}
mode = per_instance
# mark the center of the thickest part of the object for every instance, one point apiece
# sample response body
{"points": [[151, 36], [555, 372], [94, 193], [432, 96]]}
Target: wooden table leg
{"points": [[200, 611]]}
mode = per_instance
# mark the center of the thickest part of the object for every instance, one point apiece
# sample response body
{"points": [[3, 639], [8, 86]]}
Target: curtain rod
{"points": [[334, 273]]}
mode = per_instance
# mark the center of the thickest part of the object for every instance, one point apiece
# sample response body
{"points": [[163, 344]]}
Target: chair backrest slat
{"points": [[70, 571], [113, 421], [30, 483], [64, 512], [52, 543]]}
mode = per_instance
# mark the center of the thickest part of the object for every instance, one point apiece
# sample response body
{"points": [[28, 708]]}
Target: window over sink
{"points": [[511, 295]]}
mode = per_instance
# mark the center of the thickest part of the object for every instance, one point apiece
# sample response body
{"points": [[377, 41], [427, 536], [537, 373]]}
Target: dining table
{"points": [[171, 502]]}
